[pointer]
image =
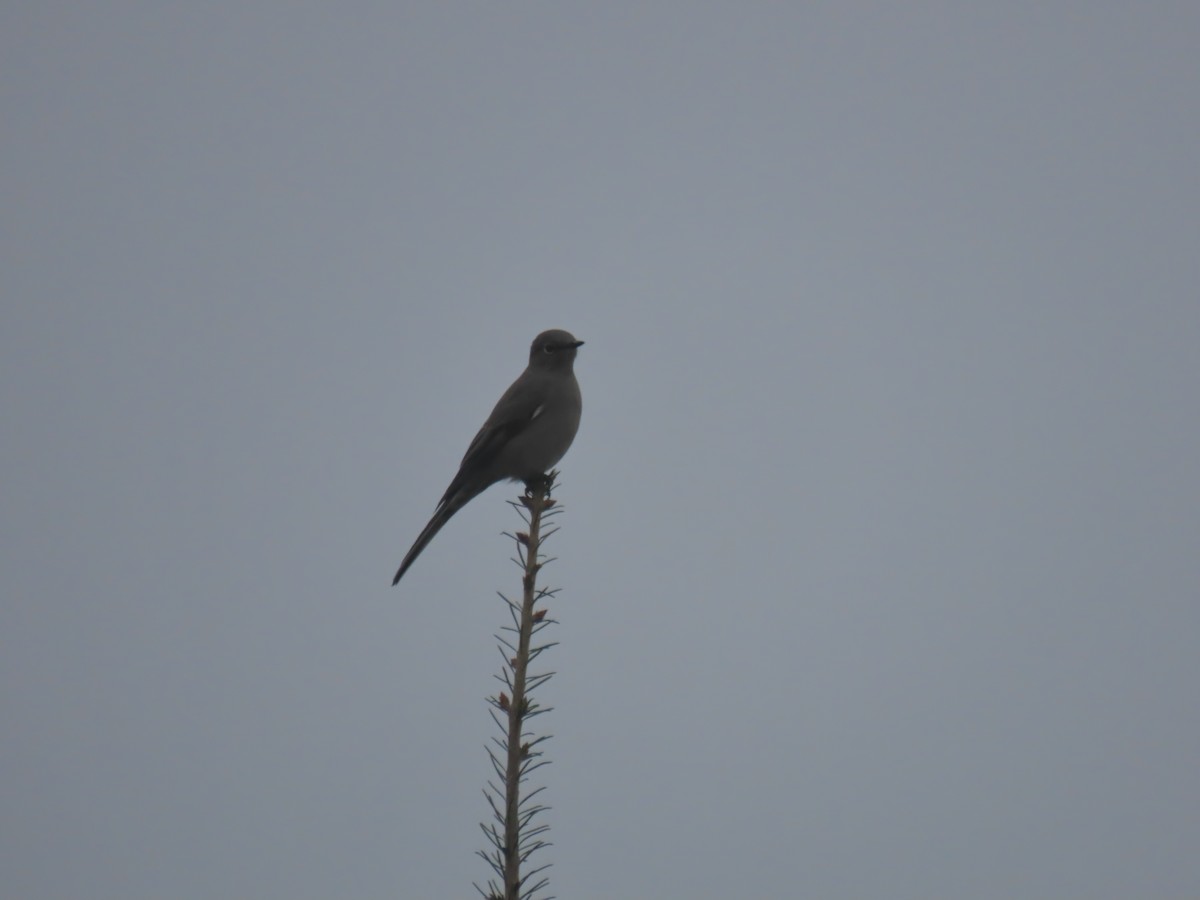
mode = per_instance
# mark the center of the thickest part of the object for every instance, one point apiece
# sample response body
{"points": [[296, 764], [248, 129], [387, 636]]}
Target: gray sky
{"points": [[879, 562]]}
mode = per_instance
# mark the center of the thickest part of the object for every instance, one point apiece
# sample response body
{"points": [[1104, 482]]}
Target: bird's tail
{"points": [[448, 507]]}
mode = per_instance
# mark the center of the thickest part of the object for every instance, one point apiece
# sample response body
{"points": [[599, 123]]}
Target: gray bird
{"points": [[527, 433]]}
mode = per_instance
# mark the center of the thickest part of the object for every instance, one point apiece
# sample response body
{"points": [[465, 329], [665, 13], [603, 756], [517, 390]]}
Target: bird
{"points": [[529, 430]]}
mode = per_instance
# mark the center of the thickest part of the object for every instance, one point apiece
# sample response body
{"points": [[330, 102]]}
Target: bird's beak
{"points": [[576, 344]]}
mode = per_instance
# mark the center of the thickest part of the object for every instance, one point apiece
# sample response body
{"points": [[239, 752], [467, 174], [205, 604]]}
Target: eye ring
{"points": [[549, 348]]}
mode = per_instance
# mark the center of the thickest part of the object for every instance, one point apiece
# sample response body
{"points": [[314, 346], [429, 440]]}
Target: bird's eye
{"points": [[549, 348]]}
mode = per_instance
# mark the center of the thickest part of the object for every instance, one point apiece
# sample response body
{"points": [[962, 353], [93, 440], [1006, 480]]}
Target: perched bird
{"points": [[530, 429]]}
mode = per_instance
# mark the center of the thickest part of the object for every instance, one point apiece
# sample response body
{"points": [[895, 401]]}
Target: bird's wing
{"points": [[513, 413]]}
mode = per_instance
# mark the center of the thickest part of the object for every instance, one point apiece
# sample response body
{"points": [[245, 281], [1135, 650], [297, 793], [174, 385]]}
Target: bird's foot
{"points": [[541, 483]]}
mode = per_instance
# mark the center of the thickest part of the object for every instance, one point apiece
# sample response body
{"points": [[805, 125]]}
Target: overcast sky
{"points": [[880, 558]]}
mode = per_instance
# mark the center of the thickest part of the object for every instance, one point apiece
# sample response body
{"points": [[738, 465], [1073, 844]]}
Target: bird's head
{"points": [[553, 349]]}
